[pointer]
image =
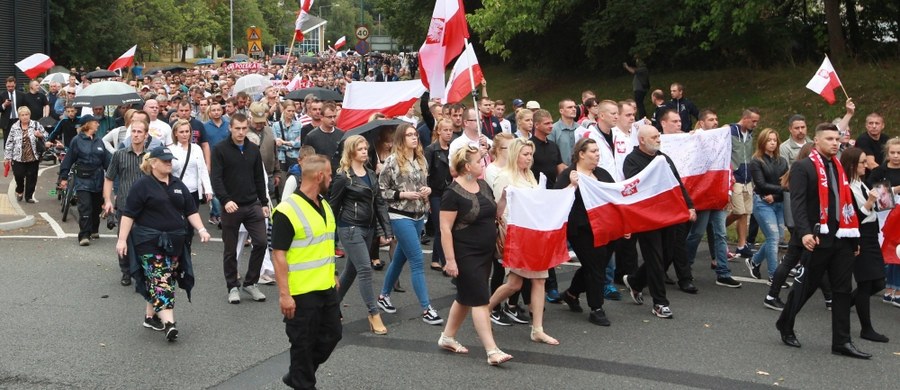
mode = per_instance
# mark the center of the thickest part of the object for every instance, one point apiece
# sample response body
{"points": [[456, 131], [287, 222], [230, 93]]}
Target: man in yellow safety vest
{"points": [[303, 229]]}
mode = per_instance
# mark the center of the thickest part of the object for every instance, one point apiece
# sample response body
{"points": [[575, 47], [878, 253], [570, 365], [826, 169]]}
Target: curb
{"points": [[26, 221]]}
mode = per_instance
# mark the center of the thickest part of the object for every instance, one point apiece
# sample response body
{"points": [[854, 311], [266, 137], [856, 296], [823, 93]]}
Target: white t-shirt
{"points": [[161, 131], [607, 159], [623, 145]]}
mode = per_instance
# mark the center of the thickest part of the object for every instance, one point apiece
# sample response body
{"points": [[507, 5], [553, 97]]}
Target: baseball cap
{"points": [[87, 118], [258, 112], [162, 153], [532, 105], [518, 103]]}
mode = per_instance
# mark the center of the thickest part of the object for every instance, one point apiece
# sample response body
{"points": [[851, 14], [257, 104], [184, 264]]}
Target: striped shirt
{"points": [[126, 167]]}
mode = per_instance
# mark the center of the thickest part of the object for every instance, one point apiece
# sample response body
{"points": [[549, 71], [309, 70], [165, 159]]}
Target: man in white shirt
{"points": [[158, 129]]}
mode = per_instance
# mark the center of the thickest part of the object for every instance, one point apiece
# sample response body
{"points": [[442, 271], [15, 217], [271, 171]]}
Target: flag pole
{"points": [[287, 61], [472, 83], [839, 79]]}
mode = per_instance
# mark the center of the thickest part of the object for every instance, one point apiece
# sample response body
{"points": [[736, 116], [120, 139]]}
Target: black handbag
{"points": [[39, 146]]}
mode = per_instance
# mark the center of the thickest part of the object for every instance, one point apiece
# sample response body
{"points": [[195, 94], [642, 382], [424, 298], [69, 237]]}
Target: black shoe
{"points": [[286, 379], [171, 331], [774, 304], [874, 336], [515, 315], [126, 280], [667, 279], [828, 305], [790, 339], [728, 282], [598, 317], [687, 286], [848, 349], [153, 323], [753, 268], [498, 318], [573, 302], [398, 288]]}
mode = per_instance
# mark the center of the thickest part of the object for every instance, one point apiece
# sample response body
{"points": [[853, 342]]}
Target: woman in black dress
{"points": [[868, 269], [468, 235]]}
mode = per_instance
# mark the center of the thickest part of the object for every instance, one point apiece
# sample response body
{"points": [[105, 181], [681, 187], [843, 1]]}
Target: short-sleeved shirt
{"points": [[216, 134], [872, 147], [546, 160], [154, 204], [126, 167]]}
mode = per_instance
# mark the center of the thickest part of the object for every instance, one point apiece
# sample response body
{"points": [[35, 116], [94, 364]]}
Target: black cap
{"points": [[162, 153], [87, 118]]}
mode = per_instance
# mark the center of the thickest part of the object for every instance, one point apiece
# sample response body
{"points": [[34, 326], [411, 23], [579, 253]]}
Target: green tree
{"points": [[196, 24], [76, 24]]}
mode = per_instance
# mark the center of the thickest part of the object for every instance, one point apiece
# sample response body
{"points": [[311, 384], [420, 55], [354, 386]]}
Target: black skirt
{"points": [[869, 265]]}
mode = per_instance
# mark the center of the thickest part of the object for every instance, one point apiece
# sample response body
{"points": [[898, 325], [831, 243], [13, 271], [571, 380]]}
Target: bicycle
{"points": [[66, 196]]}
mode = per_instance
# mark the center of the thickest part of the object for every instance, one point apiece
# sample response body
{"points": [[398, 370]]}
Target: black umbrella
{"points": [[164, 69], [101, 74], [367, 129], [309, 60], [47, 122], [107, 93], [319, 93], [278, 61]]}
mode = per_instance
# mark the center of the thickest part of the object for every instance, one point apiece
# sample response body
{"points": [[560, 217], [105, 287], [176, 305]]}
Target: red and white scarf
{"points": [[848, 226]]}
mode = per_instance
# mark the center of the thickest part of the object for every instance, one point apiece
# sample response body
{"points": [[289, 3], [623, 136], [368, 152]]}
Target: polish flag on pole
{"points": [[302, 17], [35, 64], [703, 160], [648, 201], [536, 233], [124, 61], [340, 43], [825, 81], [446, 37], [294, 84], [461, 79], [364, 99], [890, 235]]}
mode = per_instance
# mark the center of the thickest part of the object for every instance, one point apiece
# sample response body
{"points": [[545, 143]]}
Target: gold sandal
{"points": [[496, 357], [450, 344], [538, 336]]}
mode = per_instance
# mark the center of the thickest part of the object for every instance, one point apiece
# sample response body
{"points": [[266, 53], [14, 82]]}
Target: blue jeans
{"points": [[771, 219], [407, 231], [611, 270], [215, 208], [716, 219], [892, 276]]}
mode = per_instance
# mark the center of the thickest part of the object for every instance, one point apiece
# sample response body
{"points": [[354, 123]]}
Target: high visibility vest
{"points": [[310, 260]]}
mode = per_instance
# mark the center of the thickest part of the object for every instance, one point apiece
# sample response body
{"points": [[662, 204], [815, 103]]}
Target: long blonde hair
{"points": [[516, 177], [350, 144], [400, 149], [498, 138]]}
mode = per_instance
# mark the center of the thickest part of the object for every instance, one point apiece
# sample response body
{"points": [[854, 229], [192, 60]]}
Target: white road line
{"points": [[757, 281], [56, 228], [31, 237], [40, 171]]}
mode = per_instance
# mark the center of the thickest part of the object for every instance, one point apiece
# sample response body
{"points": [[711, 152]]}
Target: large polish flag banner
{"points": [[535, 231], [889, 221], [302, 17], [390, 99], [648, 201], [703, 160], [825, 81], [462, 78], [35, 64], [446, 37]]}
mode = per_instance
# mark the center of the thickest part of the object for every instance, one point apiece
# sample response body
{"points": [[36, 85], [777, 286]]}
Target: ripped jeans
{"points": [[770, 217]]}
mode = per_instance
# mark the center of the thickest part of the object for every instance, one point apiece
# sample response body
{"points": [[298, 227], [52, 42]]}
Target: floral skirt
{"points": [[160, 272]]}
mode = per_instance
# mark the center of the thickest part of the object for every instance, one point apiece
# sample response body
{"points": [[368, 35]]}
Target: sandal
{"points": [[377, 264], [450, 344], [496, 357], [538, 336], [436, 266]]}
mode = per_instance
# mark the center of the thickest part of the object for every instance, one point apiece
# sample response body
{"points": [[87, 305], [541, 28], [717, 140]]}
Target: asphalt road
{"points": [[67, 323]]}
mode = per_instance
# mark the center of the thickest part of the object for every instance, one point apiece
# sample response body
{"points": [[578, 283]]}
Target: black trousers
{"points": [[675, 252], [314, 332], [626, 257], [89, 207], [795, 255], [650, 273], [590, 278], [25, 174], [255, 223], [639, 100], [837, 261]]}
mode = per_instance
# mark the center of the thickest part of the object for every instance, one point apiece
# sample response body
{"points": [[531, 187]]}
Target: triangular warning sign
{"points": [[254, 36], [255, 47]]}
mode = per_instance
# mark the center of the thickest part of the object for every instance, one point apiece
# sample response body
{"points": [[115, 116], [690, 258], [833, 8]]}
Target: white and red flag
{"points": [[536, 233], [703, 160], [124, 61], [302, 17], [825, 81], [390, 99], [465, 71], [340, 43], [648, 201], [890, 235], [35, 64], [446, 37]]}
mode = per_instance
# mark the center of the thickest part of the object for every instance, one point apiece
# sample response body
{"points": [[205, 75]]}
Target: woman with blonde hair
{"points": [[517, 173], [524, 123], [403, 183], [189, 165], [287, 135], [361, 214], [468, 233], [438, 160], [22, 152], [766, 169]]}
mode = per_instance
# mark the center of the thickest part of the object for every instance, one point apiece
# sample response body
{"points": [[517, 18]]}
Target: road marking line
{"points": [[56, 228], [32, 237], [757, 281]]}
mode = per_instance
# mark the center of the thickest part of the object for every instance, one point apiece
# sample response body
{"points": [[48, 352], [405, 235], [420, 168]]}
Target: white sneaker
{"points": [[234, 296], [254, 292], [266, 279]]}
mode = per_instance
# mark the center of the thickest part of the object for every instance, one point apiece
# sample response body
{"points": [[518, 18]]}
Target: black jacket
{"points": [[578, 218], [636, 161], [686, 110], [438, 161], [766, 176], [805, 205], [356, 203], [238, 176]]}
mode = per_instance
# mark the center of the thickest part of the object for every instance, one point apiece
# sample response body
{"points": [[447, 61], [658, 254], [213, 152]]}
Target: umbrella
{"points": [[47, 122], [240, 58], [205, 61], [278, 61], [101, 74], [319, 93], [107, 93], [59, 69], [164, 69], [309, 60], [252, 84], [59, 77], [366, 129]]}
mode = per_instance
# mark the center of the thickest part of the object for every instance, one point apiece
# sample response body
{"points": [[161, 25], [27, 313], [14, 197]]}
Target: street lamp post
{"points": [[231, 49]]}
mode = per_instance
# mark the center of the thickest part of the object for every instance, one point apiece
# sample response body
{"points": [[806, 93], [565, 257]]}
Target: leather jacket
{"points": [[766, 176], [359, 204]]}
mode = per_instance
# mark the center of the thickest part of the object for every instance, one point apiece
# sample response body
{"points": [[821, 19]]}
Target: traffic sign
{"points": [[362, 32], [255, 47], [362, 47], [254, 33]]}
